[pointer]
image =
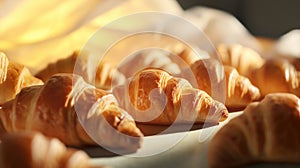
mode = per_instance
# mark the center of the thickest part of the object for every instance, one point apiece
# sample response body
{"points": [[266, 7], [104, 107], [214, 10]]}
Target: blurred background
{"points": [[36, 33], [267, 18]]}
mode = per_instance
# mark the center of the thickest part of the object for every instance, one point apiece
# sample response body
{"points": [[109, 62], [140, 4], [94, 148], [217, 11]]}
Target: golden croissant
{"points": [[244, 59], [276, 75], [153, 96], [14, 77], [34, 150], [77, 113], [267, 131], [102, 77], [224, 83]]}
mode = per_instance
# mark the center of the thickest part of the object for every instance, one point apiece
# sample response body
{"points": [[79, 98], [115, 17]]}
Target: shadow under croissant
{"points": [[98, 151], [150, 130], [147, 130], [95, 151]]}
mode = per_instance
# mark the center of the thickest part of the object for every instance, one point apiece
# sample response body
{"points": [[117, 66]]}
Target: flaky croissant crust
{"points": [[267, 131], [153, 96], [68, 108], [14, 77]]}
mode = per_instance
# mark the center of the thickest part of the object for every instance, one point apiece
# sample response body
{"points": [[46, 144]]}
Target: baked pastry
{"points": [[81, 64], [77, 113], [153, 96], [239, 90], [276, 75], [267, 131], [224, 83], [14, 77], [244, 59], [34, 150], [148, 59]]}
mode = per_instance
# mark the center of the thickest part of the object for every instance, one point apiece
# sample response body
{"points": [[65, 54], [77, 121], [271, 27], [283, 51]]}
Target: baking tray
{"points": [[190, 151]]}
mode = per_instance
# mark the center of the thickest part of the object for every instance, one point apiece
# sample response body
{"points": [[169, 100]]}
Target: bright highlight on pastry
{"points": [[175, 100], [59, 109]]}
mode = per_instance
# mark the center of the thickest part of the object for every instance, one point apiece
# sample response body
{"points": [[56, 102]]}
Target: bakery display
{"points": [[153, 96], [148, 91], [76, 113], [267, 131], [101, 75], [276, 75], [14, 77], [31, 148]]}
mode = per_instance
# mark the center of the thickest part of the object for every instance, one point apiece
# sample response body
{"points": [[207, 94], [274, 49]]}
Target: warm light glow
{"points": [[36, 33]]}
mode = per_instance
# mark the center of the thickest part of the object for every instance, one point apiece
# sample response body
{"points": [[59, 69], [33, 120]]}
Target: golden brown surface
{"points": [[276, 75], [239, 90], [224, 83], [68, 108], [267, 131], [14, 77], [155, 97]]}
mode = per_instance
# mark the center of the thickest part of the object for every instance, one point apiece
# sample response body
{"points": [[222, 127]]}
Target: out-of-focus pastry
{"points": [[34, 150], [148, 59], [244, 59], [102, 76], [276, 75], [267, 131]]}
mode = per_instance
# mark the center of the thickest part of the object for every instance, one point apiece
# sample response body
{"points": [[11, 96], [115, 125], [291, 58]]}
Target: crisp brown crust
{"points": [[239, 90], [224, 83], [14, 77], [68, 108], [153, 96], [267, 131]]}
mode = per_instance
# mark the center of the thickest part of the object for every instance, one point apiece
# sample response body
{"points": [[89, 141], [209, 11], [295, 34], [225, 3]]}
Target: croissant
{"points": [[244, 59], [14, 77], [34, 150], [267, 131], [240, 91], [148, 59], [153, 96], [276, 75], [105, 75], [77, 113], [224, 84]]}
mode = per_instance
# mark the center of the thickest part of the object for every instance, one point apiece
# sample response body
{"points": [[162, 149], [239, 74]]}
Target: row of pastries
{"points": [[79, 107]]}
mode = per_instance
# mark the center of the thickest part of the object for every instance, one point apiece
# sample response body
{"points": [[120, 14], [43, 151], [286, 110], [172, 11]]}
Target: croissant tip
{"points": [[224, 114]]}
